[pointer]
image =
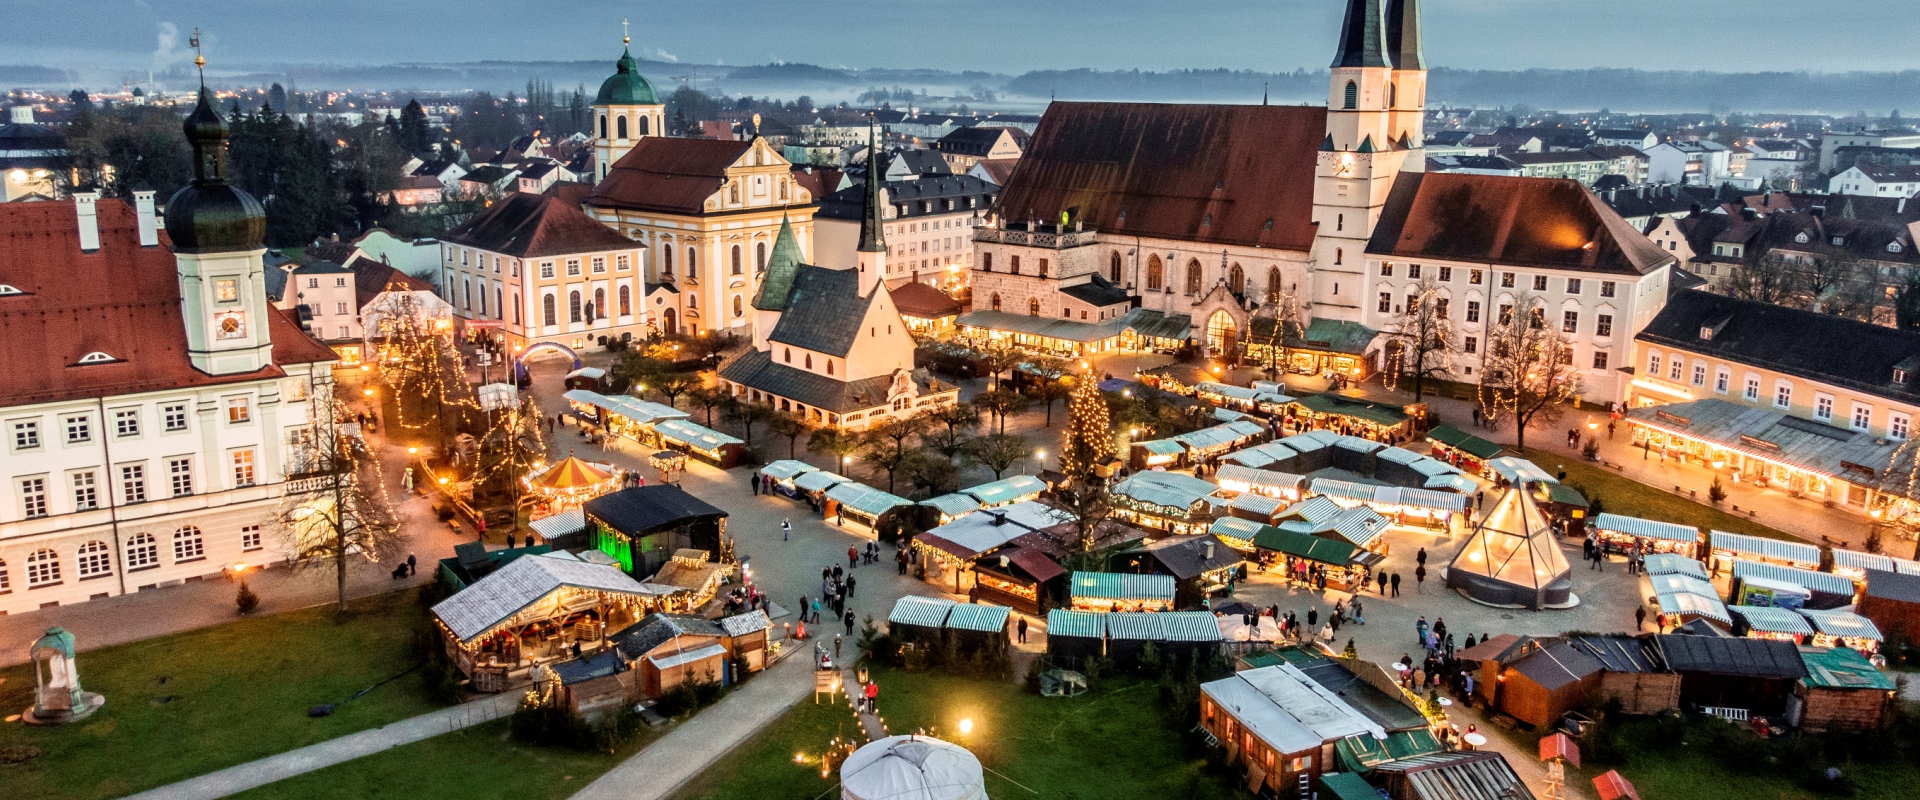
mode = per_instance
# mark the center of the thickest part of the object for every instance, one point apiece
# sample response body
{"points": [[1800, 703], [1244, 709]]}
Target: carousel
{"points": [[564, 486]]}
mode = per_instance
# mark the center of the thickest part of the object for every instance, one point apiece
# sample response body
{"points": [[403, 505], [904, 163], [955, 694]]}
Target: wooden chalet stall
{"points": [[1022, 575], [668, 649], [1548, 681], [1619, 533], [1768, 622], [533, 609], [594, 685], [1165, 501], [1844, 629], [1007, 491], [588, 378], [1892, 601], [1425, 508], [706, 444], [1359, 526], [1165, 453], [1843, 691], [1277, 486], [927, 622], [1279, 725], [749, 638], [1289, 551], [646, 526], [777, 477], [1237, 531], [1200, 564], [1632, 673], [955, 546], [862, 508], [1733, 678], [1076, 636]]}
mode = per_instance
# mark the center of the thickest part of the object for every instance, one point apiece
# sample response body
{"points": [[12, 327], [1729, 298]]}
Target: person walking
{"points": [[853, 558], [786, 528], [1639, 618], [1313, 616], [1420, 557], [1420, 628], [1022, 629], [900, 558], [1359, 615], [1419, 577], [816, 612], [412, 569], [873, 696], [849, 621], [754, 481], [849, 585], [1396, 584]]}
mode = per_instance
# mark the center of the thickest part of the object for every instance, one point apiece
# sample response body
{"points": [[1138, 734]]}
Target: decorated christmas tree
{"points": [[1088, 439]]}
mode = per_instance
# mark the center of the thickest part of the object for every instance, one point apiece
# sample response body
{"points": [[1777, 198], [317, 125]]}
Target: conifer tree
{"points": [[1089, 436]]}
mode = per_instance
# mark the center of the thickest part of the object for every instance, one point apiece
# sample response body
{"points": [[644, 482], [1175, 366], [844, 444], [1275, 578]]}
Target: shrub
{"points": [[1717, 493], [1034, 669], [1591, 450], [550, 724], [245, 599], [618, 727]]}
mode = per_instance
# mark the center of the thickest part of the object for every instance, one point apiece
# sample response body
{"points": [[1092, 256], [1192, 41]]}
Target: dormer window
{"points": [[1706, 334], [1800, 237], [99, 357], [1899, 375], [1893, 247]]}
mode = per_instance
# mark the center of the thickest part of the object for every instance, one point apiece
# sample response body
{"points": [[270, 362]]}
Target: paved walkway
{"points": [[690, 748], [242, 777]]}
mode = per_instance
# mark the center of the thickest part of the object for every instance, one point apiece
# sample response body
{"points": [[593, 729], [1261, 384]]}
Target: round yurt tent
{"points": [[912, 768]]}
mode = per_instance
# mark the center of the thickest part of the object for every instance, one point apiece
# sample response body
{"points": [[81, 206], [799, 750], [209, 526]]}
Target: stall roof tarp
{"points": [[1753, 658], [595, 399], [1681, 582], [1168, 489], [693, 435], [866, 499], [1226, 390], [579, 670], [1674, 564], [1306, 545], [1740, 544], [1568, 496], [1007, 490], [1079, 624], [1459, 775], [1358, 444], [1646, 528], [1895, 586], [1843, 623], [1520, 470], [1122, 586], [1398, 455], [1138, 626], [637, 510], [1263, 455], [1256, 504], [1189, 626], [925, 612], [818, 480], [972, 617], [1432, 467], [1347, 786], [561, 525], [1311, 440], [1767, 619], [976, 533], [1826, 582], [1261, 714], [1783, 438], [1452, 482], [1854, 559], [519, 584], [1235, 527], [1258, 478], [786, 470], [1843, 668], [645, 412], [1044, 327], [1338, 405], [952, 505], [667, 661], [1319, 709], [1218, 437], [1464, 442], [1161, 447]]}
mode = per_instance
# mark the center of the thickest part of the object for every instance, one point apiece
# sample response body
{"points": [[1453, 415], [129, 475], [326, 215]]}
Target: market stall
{"points": [[1854, 564], [1684, 598], [1292, 554], [1113, 591], [1164, 501], [1237, 532], [1146, 455], [704, 443], [1017, 577], [946, 508], [1380, 422], [643, 526], [1007, 491], [566, 485], [1405, 505], [813, 485], [1727, 547], [1270, 456], [533, 609], [1767, 622], [1844, 629], [1320, 516], [778, 476], [1257, 508], [1827, 589], [1462, 449], [1280, 485], [1564, 504], [1219, 440], [1619, 534], [1512, 558], [863, 508]]}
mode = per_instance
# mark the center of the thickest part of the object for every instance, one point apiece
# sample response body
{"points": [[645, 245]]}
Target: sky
{"points": [[1002, 36]]}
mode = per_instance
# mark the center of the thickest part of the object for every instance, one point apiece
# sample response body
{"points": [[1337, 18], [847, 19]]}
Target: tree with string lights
{"points": [[1528, 370], [419, 364], [335, 509], [1088, 439], [1900, 491], [1273, 324], [510, 448], [1422, 343]]}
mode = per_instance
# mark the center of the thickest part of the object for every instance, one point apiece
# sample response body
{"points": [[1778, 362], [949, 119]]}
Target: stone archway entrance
{"points": [[1222, 334]]}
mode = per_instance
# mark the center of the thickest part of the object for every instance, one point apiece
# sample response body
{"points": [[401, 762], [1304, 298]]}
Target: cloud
{"points": [[662, 55], [167, 49]]}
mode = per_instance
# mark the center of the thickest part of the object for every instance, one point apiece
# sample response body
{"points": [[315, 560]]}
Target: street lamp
{"points": [[966, 726]]}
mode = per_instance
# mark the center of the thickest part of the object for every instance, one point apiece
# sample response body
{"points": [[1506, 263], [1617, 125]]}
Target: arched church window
{"points": [[737, 310], [1237, 280], [626, 301], [666, 261], [1337, 255], [643, 125], [809, 360], [603, 126], [620, 126], [1273, 284], [1353, 95], [1193, 276], [599, 304], [760, 257], [735, 259], [1114, 267], [1154, 271], [546, 310], [693, 263]]}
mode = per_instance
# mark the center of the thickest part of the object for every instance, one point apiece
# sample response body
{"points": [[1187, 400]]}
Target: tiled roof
{"points": [[1227, 174], [1096, 292], [758, 370], [668, 174], [121, 299], [1531, 222], [823, 311], [923, 301], [526, 225]]}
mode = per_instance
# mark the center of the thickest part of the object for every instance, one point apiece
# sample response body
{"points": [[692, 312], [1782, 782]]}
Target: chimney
{"points": [[143, 207], [21, 115], [999, 517], [83, 202], [1209, 551]]}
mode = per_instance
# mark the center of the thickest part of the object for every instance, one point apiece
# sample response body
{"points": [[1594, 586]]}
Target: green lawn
{"points": [[479, 762], [184, 705], [1114, 743], [1623, 495], [1706, 759]]}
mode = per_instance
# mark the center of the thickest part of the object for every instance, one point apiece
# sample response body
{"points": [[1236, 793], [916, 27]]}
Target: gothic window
{"points": [[809, 360], [996, 301], [573, 306], [1237, 280], [620, 125], [1153, 272], [1114, 267], [1193, 276], [603, 126], [1273, 284], [1353, 95], [1338, 255], [789, 354], [1033, 307], [829, 366], [736, 259], [626, 301], [546, 309]]}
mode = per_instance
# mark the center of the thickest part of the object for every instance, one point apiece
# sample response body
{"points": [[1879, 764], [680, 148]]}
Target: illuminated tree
{"points": [[1422, 342], [336, 508], [1273, 324], [1900, 491], [419, 363], [1528, 369], [511, 446], [1088, 439]]}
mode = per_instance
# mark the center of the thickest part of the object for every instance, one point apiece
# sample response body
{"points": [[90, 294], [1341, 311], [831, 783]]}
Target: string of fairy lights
{"points": [[1426, 334]]}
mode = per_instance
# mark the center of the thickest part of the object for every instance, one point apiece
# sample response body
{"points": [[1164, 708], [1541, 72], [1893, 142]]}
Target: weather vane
{"points": [[199, 59], [624, 37]]}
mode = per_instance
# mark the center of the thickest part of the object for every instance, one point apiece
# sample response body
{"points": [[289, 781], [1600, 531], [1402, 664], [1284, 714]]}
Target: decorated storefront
{"points": [[1621, 534], [1768, 449]]}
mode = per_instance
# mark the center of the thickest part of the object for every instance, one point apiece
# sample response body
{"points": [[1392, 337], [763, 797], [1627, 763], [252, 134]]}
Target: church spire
{"points": [[782, 264], [873, 238], [1363, 37], [1403, 34]]}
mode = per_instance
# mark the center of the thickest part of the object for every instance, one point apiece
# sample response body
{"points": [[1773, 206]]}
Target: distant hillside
{"points": [[34, 75]]}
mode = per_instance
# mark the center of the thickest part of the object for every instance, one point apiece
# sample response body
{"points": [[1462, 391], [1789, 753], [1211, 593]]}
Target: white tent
{"points": [[1512, 558], [912, 768]]}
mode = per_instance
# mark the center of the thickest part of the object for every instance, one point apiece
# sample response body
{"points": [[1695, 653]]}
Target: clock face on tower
{"points": [[230, 325], [1343, 166]]}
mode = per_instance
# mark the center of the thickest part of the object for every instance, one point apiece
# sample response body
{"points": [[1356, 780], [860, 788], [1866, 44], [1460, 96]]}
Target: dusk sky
{"points": [[1005, 36]]}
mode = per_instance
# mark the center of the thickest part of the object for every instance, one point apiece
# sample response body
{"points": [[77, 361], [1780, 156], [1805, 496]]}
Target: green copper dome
{"points": [[626, 87]]}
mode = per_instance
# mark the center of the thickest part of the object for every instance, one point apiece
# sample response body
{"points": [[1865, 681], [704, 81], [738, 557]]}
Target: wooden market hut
{"points": [[1490, 656], [593, 685], [1381, 422], [937, 511], [1749, 676], [1454, 775], [1461, 449], [1843, 691], [643, 526], [1566, 505], [917, 620], [1632, 673], [813, 485], [667, 649], [1156, 453], [588, 378], [863, 508], [1237, 530], [1359, 526], [1022, 575], [777, 477], [1727, 547], [1280, 724], [748, 636], [1165, 501], [1200, 564], [1344, 562], [1271, 484], [1074, 637], [1892, 601], [701, 442], [1113, 591], [1833, 628], [532, 609], [1547, 682], [1007, 491]]}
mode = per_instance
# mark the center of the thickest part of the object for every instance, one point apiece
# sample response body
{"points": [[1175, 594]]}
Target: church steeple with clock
{"points": [[1375, 128], [218, 233]]}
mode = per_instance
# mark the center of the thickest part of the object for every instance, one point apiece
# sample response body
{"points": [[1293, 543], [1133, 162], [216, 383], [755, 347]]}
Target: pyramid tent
{"points": [[1512, 559]]}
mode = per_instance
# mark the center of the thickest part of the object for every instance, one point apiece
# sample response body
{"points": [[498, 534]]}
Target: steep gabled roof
{"points": [[668, 174], [1820, 347], [525, 225], [1226, 174], [1525, 222], [782, 265], [823, 312], [923, 301]]}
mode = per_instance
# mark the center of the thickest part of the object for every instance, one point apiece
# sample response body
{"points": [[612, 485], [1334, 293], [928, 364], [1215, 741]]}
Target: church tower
{"points": [[872, 252], [218, 231], [626, 110], [1375, 105]]}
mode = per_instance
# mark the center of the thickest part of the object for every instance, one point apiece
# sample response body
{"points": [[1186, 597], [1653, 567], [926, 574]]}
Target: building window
{"points": [[1413, 271], [43, 568], [693, 263], [599, 309], [1897, 426], [1441, 305], [1753, 389], [1193, 276], [1653, 364], [737, 309], [180, 476], [188, 544], [1573, 286], [546, 269], [1386, 269], [238, 410], [1013, 264], [1473, 311], [760, 256], [599, 264], [622, 262], [243, 474], [1506, 280], [1470, 345], [734, 259], [1154, 273], [133, 483], [86, 496], [1033, 306], [1783, 395], [626, 301], [1353, 96], [1539, 283], [79, 429], [96, 560], [1599, 359], [546, 310], [143, 552], [1721, 380], [573, 306], [250, 538], [1862, 416], [1474, 277], [1386, 302], [1823, 407], [996, 301], [226, 291], [1673, 369], [26, 435], [1606, 288], [1446, 274], [573, 267], [1603, 325], [33, 496], [1570, 322]]}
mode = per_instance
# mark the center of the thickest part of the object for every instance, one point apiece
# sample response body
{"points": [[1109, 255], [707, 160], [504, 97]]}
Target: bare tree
{"points": [[886, 447], [746, 415], [1086, 504], [1773, 278], [1000, 403], [833, 442], [1273, 324], [1422, 343], [1049, 388], [1528, 369], [335, 509], [790, 425], [998, 452], [1001, 357]]}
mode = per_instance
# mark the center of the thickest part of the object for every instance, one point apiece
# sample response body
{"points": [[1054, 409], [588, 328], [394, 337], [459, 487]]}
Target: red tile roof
{"points": [[525, 225], [371, 278], [122, 300], [818, 181], [667, 174], [921, 300], [1532, 222], [1222, 174]]}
